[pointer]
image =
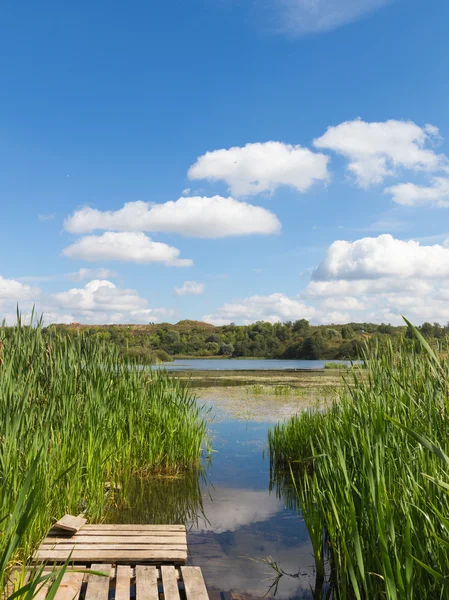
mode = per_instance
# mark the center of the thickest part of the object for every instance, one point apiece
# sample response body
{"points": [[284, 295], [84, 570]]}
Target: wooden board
{"points": [[149, 580], [70, 523], [112, 539], [112, 546], [42, 589], [98, 586], [194, 583], [123, 583], [121, 527], [146, 583], [170, 583], [70, 586], [126, 544], [122, 556]]}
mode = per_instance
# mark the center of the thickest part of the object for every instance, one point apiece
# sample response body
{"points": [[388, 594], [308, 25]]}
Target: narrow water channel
{"points": [[233, 520], [243, 523]]}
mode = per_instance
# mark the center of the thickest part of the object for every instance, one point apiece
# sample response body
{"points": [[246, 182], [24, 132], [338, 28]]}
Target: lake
{"points": [[232, 364], [233, 520]]}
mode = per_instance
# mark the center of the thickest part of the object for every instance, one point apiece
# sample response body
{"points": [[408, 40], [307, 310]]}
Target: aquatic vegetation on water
{"points": [[372, 476], [94, 417]]}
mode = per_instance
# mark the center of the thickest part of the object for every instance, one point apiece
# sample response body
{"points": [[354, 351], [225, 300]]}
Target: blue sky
{"points": [[279, 159]]}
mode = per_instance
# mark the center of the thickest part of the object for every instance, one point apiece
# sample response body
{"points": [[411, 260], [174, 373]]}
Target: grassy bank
{"points": [[371, 476], [96, 419]]}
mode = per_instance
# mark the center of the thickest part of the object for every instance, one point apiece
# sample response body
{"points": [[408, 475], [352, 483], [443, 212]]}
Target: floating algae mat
{"points": [[265, 404]]}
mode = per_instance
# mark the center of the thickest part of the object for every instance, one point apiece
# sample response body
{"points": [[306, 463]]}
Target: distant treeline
{"points": [[295, 340]]}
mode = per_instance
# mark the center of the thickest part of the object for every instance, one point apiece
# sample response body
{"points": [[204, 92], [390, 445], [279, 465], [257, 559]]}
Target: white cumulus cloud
{"points": [[380, 279], [410, 194], [383, 256], [194, 216], [368, 280], [262, 167], [11, 289], [273, 308], [377, 150], [192, 288], [98, 302], [100, 295], [125, 246]]}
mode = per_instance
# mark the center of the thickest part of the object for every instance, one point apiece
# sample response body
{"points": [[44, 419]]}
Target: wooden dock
{"points": [[142, 562], [116, 544], [122, 582]]}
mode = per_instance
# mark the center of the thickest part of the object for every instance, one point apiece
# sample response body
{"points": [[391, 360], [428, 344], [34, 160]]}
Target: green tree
{"points": [[314, 347], [301, 327], [347, 332], [226, 349], [426, 329]]}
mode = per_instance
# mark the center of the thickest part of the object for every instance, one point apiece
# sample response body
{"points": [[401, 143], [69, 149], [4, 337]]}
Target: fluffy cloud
{"points": [[262, 167], [410, 194], [190, 288], [250, 506], [371, 279], [100, 295], [344, 288], [193, 216], [126, 246], [301, 17], [11, 289], [377, 150], [273, 308], [380, 279], [384, 256], [99, 301]]}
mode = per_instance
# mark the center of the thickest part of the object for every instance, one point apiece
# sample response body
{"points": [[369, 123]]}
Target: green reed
{"points": [[96, 419], [370, 474]]}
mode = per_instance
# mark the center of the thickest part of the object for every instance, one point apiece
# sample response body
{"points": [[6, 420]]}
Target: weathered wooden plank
{"points": [[98, 586], [70, 523], [124, 527], [128, 556], [70, 586], [170, 583], [194, 583], [123, 583], [43, 588], [116, 546], [146, 583], [117, 538]]}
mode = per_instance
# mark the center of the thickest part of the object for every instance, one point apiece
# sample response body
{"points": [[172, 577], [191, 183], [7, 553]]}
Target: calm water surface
{"points": [[233, 520], [243, 523], [229, 364]]}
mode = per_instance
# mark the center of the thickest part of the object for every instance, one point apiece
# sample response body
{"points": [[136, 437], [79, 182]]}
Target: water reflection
{"points": [[233, 520], [160, 500]]}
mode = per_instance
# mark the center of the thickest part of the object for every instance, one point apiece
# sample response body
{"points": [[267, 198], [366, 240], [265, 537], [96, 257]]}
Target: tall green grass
{"points": [[93, 416], [372, 478]]}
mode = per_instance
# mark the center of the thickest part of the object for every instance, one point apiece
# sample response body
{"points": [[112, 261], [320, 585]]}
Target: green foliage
{"points": [[93, 415], [347, 332], [226, 349], [313, 346], [331, 334], [372, 476], [259, 340]]}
